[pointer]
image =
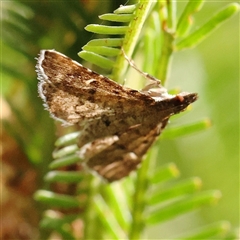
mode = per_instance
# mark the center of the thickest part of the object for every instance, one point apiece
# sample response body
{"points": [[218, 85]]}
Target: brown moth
{"points": [[118, 124]]}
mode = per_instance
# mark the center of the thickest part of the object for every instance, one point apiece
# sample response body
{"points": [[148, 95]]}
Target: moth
{"points": [[118, 124]]}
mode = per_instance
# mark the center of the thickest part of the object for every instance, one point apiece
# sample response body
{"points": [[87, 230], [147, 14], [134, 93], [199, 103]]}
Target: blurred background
{"points": [[211, 70]]}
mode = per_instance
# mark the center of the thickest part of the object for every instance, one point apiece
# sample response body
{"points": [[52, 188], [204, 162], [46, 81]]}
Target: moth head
{"points": [[156, 91]]}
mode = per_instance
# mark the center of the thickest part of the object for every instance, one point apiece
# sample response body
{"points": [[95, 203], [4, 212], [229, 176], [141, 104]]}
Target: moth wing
{"points": [[123, 155], [73, 93], [120, 122]]}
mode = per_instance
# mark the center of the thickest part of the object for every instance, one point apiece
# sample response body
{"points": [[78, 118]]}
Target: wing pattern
{"points": [[118, 124]]}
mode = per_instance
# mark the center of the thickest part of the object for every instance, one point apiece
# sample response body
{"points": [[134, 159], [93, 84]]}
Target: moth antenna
{"points": [[145, 75]]}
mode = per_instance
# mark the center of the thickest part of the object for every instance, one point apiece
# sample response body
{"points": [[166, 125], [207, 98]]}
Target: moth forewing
{"points": [[118, 124]]}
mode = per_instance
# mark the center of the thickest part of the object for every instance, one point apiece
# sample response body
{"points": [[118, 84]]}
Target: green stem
{"points": [[142, 181], [139, 202], [131, 38], [168, 26], [90, 217], [165, 60], [171, 9]]}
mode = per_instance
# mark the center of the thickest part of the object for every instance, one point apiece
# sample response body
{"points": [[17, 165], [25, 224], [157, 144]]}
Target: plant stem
{"points": [[171, 8], [168, 28], [167, 50], [139, 198], [89, 218], [131, 38]]}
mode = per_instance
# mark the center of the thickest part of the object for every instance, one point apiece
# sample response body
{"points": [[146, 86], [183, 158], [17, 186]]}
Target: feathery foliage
{"points": [[152, 195]]}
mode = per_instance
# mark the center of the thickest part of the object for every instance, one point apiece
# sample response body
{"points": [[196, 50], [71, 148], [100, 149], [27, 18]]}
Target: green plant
{"points": [[128, 217]]}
